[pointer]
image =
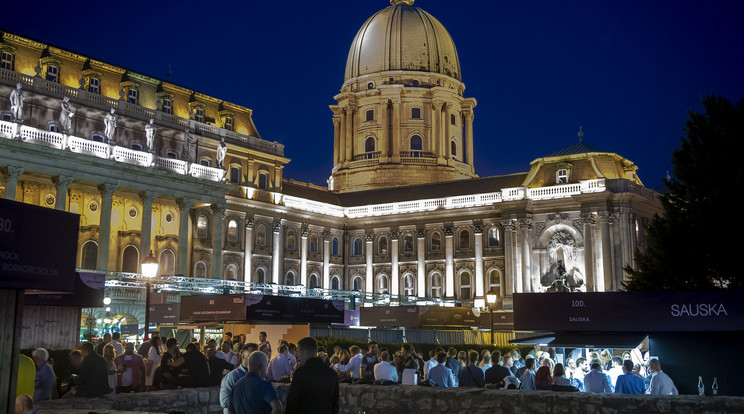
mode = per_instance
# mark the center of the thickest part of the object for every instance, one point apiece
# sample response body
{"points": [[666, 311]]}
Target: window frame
{"points": [[202, 233], [416, 112], [7, 64]]}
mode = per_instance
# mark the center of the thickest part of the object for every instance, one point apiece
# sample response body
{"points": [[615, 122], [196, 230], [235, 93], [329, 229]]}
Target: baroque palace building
{"points": [[404, 213]]}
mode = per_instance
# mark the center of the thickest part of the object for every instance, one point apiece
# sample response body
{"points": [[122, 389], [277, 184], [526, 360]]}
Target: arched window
{"points": [[89, 258], [167, 262], [334, 247], [382, 245], [408, 243], [130, 259], [313, 243], [494, 282], [369, 145], [383, 284], [357, 249], [263, 181], [232, 231], [417, 144], [465, 286], [97, 137], [200, 269], [436, 241], [260, 275], [234, 174], [335, 283], [494, 239], [312, 281], [436, 285], [202, 226], [453, 148], [290, 239], [357, 283], [408, 289], [464, 239], [261, 235], [290, 279], [137, 147], [232, 272]]}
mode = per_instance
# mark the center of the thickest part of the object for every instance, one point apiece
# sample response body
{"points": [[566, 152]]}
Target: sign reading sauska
{"points": [[699, 309]]}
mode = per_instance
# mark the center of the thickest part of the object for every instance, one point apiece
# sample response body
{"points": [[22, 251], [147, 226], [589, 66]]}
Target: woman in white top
{"points": [[154, 362], [109, 354]]}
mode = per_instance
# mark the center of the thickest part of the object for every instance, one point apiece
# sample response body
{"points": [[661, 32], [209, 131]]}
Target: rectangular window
{"points": [[52, 73], [263, 181], [370, 116], [453, 119], [235, 175], [132, 96], [7, 61], [168, 106], [562, 176], [199, 117], [94, 85], [206, 163], [416, 113], [229, 123]]}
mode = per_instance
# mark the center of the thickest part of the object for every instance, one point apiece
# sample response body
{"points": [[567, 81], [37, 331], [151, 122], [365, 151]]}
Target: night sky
{"points": [[627, 71]]}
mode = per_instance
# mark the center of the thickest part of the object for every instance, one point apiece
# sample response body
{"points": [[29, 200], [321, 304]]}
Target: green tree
{"points": [[695, 244]]}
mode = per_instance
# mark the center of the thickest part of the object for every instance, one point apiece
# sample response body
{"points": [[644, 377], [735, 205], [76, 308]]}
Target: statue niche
{"points": [[562, 251]]}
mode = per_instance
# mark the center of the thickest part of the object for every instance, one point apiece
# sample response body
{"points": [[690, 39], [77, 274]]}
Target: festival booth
{"points": [[691, 333]]}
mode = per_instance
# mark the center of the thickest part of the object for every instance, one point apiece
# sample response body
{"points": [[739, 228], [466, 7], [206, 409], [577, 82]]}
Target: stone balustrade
{"points": [[411, 399]]}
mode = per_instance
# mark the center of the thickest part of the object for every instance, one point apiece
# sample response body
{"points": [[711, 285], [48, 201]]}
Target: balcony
{"points": [[366, 158], [417, 157]]}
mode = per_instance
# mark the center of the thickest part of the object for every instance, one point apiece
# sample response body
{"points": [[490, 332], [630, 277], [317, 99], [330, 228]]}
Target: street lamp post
{"points": [[491, 300], [149, 270]]}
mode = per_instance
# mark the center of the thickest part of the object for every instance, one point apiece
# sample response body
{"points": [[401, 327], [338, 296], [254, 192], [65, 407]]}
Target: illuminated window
{"points": [[436, 285], [382, 245], [7, 60], [232, 231], [370, 115], [312, 281], [382, 284], [200, 269], [229, 123], [357, 283], [417, 144], [260, 275], [263, 181], [561, 176], [313, 243], [52, 73], [167, 262], [464, 239], [369, 145], [290, 240], [408, 289], [494, 239], [168, 106], [416, 113], [261, 235], [129, 259], [132, 96], [334, 247], [89, 257], [465, 286], [408, 243], [289, 279], [234, 174], [232, 272], [436, 241], [94, 85], [199, 115], [201, 226], [357, 248], [494, 281], [335, 283], [453, 119]]}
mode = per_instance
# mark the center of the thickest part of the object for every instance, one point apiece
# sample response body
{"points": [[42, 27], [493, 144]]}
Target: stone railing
{"points": [[12, 130], [413, 399], [417, 157], [78, 95]]}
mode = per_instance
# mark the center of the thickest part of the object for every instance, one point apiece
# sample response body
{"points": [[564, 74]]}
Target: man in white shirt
{"points": [[384, 371], [431, 363], [354, 364], [116, 342], [279, 365], [616, 370], [661, 384]]}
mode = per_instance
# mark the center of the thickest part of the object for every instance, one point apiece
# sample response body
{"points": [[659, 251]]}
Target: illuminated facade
{"points": [[404, 213]]}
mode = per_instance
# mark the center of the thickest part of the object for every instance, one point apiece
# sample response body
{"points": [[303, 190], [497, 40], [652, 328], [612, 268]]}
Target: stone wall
{"points": [[403, 399]]}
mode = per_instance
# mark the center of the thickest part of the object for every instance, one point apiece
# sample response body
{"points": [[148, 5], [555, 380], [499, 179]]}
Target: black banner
{"points": [[264, 308], [502, 320], [165, 313], [720, 310], [440, 316], [413, 316], [88, 293], [389, 316], [218, 308], [38, 247]]}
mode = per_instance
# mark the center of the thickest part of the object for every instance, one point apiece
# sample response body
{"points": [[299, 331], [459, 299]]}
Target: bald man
{"points": [[252, 393], [24, 404]]}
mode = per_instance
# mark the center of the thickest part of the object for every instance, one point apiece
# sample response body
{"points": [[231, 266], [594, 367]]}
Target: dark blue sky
{"points": [[627, 71]]}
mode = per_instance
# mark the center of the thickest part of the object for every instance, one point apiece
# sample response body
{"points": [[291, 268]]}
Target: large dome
{"points": [[402, 37]]}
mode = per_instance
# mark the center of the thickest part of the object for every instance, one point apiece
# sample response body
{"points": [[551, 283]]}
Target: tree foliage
{"points": [[695, 244]]}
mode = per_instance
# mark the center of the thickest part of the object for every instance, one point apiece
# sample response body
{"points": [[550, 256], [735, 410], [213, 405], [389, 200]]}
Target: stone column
{"points": [[276, 250], [104, 229], [525, 225], [449, 264], [469, 116], [447, 132], [512, 284], [421, 262], [326, 260], [303, 255], [248, 250], [587, 219], [385, 135], [336, 137], [349, 113], [147, 198], [219, 216], [369, 283], [184, 205], [479, 279], [624, 240], [436, 119], [278, 177], [605, 218], [249, 175], [342, 137], [11, 175], [396, 131], [394, 267], [61, 182]]}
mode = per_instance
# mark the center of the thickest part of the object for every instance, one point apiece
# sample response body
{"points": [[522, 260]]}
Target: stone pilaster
{"points": [[218, 210], [147, 198], [525, 227], [326, 260], [248, 249], [184, 205], [107, 191], [394, 266], [276, 251], [469, 116], [478, 245], [421, 262], [449, 262], [303, 255], [369, 239]]}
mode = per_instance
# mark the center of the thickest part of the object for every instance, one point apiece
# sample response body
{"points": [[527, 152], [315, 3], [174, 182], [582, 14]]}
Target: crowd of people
{"points": [[244, 370]]}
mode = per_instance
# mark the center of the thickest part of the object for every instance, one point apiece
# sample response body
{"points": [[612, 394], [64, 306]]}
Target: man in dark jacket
{"points": [[497, 373], [314, 386], [93, 378], [197, 365]]}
